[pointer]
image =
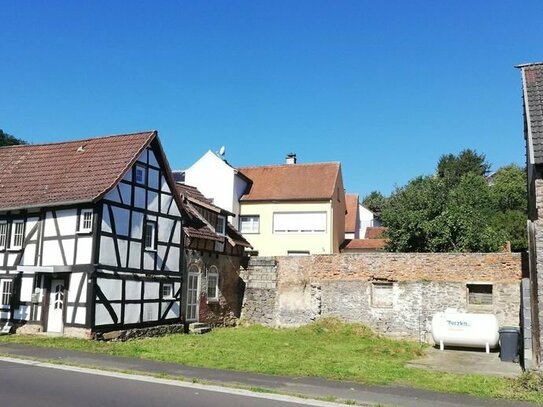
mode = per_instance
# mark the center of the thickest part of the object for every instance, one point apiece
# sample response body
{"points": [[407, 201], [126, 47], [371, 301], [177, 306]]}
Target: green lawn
{"points": [[327, 349]]}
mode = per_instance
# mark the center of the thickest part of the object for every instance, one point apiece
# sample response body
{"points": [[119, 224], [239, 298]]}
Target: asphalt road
{"points": [[24, 385]]}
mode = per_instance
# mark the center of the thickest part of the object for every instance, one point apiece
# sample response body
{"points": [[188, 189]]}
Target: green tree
{"points": [[509, 188], [375, 202], [451, 168], [9, 140]]}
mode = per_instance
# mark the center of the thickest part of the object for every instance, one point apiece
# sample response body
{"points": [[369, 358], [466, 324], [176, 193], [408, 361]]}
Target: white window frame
{"points": [[295, 229], [82, 228], [221, 222], [14, 235], [213, 272], [3, 234], [167, 291], [143, 172], [153, 235], [249, 224], [6, 293]]}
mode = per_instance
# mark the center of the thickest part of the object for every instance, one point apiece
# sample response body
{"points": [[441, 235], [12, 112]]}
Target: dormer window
{"points": [[85, 221], [221, 225], [140, 175]]}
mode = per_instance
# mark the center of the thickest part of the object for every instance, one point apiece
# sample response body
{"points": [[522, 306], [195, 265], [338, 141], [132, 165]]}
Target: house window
{"points": [[167, 291], [250, 224], [220, 227], [298, 253], [212, 283], [3, 235], [140, 174], [85, 220], [479, 294], [17, 236], [381, 295], [7, 286], [299, 222], [150, 230]]}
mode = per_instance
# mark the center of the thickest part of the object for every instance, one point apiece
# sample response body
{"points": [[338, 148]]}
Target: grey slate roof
{"points": [[532, 76]]}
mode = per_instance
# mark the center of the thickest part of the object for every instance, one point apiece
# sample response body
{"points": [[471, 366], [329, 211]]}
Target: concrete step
{"points": [[199, 328]]}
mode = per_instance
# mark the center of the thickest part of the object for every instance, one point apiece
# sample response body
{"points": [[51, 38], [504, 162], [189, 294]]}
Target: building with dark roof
{"points": [[90, 236]]}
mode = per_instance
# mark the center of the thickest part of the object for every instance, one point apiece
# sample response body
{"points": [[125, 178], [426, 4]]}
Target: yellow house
{"points": [[293, 209]]}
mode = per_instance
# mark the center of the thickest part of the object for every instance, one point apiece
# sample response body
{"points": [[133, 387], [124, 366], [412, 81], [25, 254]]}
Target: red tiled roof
{"points": [[67, 172], [291, 182], [366, 244], [351, 203], [194, 195], [374, 232]]}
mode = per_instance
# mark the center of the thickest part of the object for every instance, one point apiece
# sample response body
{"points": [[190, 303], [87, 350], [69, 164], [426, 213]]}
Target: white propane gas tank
{"points": [[454, 328]]}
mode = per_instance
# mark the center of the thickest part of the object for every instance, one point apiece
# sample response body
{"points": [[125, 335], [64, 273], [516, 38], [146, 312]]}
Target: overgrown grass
{"points": [[327, 349]]}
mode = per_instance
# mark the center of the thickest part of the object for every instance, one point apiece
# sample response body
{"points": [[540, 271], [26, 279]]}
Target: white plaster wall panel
{"points": [[51, 255], [132, 290], [154, 178], [106, 222], [134, 260], [132, 313], [143, 157], [152, 201], [174, 210], [12, 257], [152, 217], [49, 227], [69, 246], [30, 223], [126, 193], [139, 197], [123, 251], [239, 189], [165, 226], [161, 252], [165, 187], [22, 312], [176, 287], [112, 289], [84, 250], [4, 315], [174, 312], [151, 290], [177, 233], [67, 221], [172, 262], [2, 255], [81, 315], [152, 159], [121, 220], [28, 255], [150, 311], [128, 175], [27, 284], [107, 251], [75, 280], [137, 225], [113, 195], [149, 260], [165, 201], [102, 316]]}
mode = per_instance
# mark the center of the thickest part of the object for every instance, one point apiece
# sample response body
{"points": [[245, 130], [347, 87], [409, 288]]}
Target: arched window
{"points": [[213, 283]]}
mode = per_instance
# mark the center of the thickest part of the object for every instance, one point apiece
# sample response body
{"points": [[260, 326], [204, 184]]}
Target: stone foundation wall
{"points": [[126, 334], [292, 291]]}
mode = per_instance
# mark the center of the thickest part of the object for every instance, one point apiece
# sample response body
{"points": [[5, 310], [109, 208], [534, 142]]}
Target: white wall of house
{"points": [[367, 219], [218, 181]]}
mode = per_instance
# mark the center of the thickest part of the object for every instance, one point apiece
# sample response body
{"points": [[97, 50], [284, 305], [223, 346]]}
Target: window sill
{"points": [[212, 300], [83, 232], [14, 249], [148, 249]]}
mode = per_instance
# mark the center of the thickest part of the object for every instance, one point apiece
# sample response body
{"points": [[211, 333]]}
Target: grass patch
{"points": [[327, 349]]}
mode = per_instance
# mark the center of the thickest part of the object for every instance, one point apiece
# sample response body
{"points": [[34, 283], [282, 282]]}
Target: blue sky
{"points": [[385, 87]]}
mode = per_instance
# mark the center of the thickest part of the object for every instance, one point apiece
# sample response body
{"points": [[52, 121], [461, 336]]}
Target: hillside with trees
{"points": [[9, 140]]}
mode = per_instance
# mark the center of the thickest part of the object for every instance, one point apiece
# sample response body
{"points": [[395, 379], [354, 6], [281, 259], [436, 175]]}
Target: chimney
{"points": [[291, 158]]}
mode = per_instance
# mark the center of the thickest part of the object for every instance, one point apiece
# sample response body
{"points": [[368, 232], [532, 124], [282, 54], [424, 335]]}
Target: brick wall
{"points": [[291, 291]]}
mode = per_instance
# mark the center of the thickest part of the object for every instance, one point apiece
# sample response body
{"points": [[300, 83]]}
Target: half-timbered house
{"points": [[214, 250], [90, 236]]}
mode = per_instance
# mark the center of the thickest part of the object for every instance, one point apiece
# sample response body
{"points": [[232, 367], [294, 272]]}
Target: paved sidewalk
{"points": [[310, 387]]}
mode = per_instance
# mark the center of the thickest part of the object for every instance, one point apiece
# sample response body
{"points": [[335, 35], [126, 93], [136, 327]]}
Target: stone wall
{"points": [[396, 294]]}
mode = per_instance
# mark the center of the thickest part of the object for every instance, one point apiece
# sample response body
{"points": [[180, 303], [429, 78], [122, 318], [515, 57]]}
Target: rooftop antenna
{"points": [[222, 151]]}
